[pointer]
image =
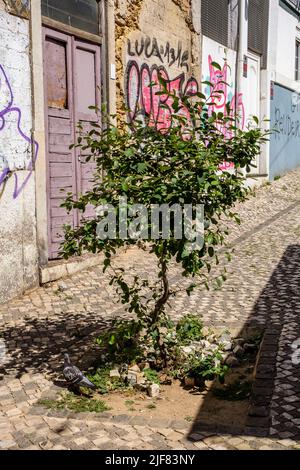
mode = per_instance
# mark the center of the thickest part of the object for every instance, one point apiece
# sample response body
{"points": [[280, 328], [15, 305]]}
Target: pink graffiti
{"points": [[14, 114], [145, 98], [219, 93]]}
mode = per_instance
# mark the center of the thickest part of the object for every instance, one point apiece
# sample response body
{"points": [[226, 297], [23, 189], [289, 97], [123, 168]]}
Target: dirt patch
{"points": [[204, 406]]}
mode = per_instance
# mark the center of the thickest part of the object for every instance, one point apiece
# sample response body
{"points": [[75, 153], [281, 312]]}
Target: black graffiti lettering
{"points": [[139, 49], [147, 45], [285, 125], [129, 50], [165, 53], [156, 51], [184, 60]]}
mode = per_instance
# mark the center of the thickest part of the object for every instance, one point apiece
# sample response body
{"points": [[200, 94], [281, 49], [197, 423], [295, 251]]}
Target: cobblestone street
{"points": [[262, 291]]}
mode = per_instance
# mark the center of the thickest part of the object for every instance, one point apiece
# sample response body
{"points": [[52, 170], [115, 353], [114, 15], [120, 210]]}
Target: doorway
{"points": [[72, 84]]}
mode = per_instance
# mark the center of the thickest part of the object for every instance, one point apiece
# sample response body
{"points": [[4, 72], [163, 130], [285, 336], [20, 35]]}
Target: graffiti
{"points": [[219, 91], [166, 54], [142, 88], [18, 7], [12, 114], [287, 124]]}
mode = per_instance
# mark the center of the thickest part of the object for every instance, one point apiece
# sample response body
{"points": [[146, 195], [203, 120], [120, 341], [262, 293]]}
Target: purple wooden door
{"points": [[72, 82], [87, 93]]}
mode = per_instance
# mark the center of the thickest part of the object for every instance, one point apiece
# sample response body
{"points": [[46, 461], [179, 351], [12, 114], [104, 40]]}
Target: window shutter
{"points": [[215, 20], [258, 23]]}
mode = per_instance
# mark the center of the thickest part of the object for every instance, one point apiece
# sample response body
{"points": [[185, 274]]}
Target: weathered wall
{"points": [[154, 36], [18, 152]]}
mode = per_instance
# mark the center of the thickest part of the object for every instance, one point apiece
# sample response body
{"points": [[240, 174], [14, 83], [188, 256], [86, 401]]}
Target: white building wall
{"points": [[287, 32], [18, 252]]}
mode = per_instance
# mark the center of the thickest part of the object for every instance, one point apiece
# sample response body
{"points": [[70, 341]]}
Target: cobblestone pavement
{"points": [[263, 291]]}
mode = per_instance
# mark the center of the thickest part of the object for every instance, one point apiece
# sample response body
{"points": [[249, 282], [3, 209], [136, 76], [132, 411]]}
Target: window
{"points": [[215, 20], [297, 61], [258, 24], [80, 14]]}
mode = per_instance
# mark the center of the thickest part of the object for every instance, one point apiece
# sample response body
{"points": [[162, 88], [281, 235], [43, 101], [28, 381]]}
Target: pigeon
{"points": [[74, 376]]}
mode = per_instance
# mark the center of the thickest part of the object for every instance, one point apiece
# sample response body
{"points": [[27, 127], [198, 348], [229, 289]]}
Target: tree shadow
{"points": [[38, 345], [271, 412]]}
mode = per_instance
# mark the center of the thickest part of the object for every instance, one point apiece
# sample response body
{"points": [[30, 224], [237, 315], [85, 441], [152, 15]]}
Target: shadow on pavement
{"points": [[279, 303]]}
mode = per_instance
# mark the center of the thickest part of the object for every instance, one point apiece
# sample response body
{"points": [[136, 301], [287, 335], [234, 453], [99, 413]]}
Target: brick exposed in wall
{"points": [[127, 20]]}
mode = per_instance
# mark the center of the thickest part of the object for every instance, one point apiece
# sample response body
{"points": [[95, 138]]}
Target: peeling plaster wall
{"points": [[18, 251], [162, 31]]}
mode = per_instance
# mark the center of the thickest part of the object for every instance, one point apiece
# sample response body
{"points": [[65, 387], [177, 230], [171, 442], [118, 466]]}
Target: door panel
{"points": [[60, 123], [72, 84], [87, 93]]}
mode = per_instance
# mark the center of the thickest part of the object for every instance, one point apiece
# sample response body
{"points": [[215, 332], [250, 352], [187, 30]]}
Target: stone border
{"points": [[259, 420]]}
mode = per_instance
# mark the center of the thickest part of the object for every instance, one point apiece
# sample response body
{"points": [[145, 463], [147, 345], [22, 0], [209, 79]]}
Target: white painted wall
{"points": [[18, 252], [286, 37]]}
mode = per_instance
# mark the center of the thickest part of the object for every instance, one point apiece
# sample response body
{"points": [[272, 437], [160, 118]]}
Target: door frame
{"points": [[257, 58], [71, 113], [108, 88]]}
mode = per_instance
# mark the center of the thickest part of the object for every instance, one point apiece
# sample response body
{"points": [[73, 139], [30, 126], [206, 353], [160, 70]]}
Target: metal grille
{"points": [[258, 15], [18, 7], [294, 4], [215, 20], [81, 14]]}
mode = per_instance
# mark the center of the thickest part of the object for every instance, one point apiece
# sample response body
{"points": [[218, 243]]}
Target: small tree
{"points": [[150, 166]]}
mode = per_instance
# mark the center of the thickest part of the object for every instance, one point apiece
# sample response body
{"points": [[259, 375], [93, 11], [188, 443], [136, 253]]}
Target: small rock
{"points": [[211, 339], [239, 341], [196, 345], [225, 338], [143, 387], [189, 381], [134, 368], [187, 350], [62, 287], [141, 379], [232, 361], [205, 331], [227, 346], [153, 390], [132, 377], [226, 341], [144, 365], [114, 374], [250, 347], [239, 351]]}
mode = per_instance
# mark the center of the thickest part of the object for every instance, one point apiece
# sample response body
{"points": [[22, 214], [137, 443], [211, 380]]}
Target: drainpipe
{"points": [[242, 52]]}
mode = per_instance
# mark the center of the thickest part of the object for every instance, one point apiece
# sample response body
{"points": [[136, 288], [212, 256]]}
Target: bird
{"points": [[74, 376]]}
